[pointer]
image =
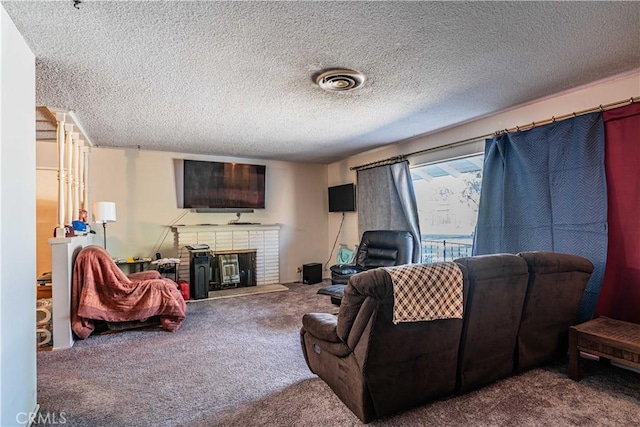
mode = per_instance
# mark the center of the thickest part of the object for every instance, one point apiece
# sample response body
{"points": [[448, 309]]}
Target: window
{"points": [[448, 194]]}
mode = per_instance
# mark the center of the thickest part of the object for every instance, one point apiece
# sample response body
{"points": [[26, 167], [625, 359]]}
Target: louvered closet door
{"points": [[241, 240], [271, 257], [223, 241], [266, 244], [256, 241]]}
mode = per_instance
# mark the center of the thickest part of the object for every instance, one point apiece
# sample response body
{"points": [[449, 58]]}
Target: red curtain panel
{"points": [[620, 293]]}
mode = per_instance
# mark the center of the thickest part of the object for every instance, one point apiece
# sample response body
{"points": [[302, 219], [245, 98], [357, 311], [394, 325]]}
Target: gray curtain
{"points": [[387, 201], [544, 190]]}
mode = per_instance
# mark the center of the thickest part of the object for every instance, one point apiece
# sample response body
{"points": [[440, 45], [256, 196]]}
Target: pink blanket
{"points": [[101, 291]]}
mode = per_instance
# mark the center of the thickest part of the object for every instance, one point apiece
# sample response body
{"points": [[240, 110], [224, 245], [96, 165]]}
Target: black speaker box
{"points": [[311, 273], [199, 274]]}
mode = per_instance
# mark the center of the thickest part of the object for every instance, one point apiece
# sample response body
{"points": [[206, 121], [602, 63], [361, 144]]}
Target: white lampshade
{"points": [[103, 212]]}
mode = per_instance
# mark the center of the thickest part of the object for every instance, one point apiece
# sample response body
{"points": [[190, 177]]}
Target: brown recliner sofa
{"points": [[556, 285], [497, 289], [377, 368]]}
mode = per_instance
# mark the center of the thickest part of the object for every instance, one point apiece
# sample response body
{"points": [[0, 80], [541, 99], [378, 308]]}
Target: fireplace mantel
{"points": [[263, 238]]}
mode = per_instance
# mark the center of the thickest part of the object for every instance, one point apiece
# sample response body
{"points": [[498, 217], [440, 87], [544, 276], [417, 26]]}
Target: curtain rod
{"points": [[528, 126]]}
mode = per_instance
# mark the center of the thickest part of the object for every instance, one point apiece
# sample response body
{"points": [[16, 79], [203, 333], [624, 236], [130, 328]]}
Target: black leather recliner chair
{"points": [[378, 248]]}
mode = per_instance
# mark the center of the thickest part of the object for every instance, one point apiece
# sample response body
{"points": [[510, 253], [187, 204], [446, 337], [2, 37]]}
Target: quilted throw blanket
{"points": [[101, 291], [426, 292]]}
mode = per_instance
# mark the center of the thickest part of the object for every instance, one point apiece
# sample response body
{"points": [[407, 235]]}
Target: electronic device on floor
{"points": [[311, 273]]}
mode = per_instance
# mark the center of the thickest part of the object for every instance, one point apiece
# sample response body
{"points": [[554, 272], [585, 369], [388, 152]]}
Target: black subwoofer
{"points": [[311, 273]]}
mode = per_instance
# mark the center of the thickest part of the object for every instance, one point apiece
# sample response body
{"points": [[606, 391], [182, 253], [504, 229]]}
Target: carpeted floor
{"points": [[238, 362]]}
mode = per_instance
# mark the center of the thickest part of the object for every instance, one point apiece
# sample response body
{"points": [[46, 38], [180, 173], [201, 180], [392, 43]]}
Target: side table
{"points": [[607, 338], [133, 266], [168, 267]]}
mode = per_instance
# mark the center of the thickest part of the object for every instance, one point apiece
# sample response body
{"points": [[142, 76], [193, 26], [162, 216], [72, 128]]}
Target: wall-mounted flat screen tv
{"points": [[217, 185], [342, 198]]}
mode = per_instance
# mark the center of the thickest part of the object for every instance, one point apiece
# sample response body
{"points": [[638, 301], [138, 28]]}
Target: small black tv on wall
{"points": [[342, 198]]}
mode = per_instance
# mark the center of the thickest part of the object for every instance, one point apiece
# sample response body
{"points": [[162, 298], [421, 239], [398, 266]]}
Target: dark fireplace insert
{"points": [[233, 269]]}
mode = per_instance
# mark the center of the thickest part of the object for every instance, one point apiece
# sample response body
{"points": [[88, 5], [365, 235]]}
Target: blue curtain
{"points": [[545, 189], [387, 201]]}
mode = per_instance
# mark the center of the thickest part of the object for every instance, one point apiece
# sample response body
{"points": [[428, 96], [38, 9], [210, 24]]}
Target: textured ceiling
{"points": [[236, 78]]}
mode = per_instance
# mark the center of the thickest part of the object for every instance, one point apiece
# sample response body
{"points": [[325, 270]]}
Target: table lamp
{"points": [[104, 212]]}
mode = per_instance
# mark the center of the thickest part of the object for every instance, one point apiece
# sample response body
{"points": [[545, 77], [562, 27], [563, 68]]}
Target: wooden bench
{"points": [[607, 338]]}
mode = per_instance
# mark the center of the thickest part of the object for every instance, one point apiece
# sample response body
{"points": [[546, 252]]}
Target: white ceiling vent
{"points": [[338, 80]]}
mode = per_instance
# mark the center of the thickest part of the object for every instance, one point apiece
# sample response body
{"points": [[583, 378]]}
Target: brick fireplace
{"points": [[263, 240]]}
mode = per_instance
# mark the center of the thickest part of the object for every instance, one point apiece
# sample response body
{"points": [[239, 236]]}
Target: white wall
{"points": [[17, 219], [142, 184], [598, 93]]}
